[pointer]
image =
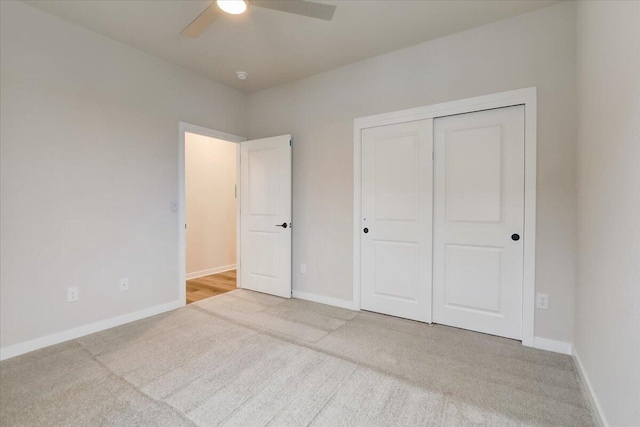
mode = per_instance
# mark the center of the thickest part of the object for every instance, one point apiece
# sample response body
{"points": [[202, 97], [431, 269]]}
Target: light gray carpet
{"points": [[249, 359]]}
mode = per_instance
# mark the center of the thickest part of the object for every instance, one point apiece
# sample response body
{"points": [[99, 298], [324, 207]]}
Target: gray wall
{"points": [[535, 49], [607, 334], [89, 147]]}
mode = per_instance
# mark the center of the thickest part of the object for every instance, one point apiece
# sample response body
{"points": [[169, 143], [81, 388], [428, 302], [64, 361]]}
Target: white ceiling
{"points": [[276, 47]]}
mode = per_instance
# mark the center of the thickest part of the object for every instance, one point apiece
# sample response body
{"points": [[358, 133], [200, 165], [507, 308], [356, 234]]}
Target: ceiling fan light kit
{"points": [[233, 7], [237, 7]]}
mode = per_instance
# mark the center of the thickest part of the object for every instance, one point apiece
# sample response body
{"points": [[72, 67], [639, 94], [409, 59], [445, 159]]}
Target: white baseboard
{"points": [[210, 271], [325, 300], [588, 388], [69, 334], [552, 345]]}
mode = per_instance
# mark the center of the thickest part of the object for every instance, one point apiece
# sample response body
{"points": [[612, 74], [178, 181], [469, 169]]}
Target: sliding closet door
{"points": [[396, 220], [478, 221]]}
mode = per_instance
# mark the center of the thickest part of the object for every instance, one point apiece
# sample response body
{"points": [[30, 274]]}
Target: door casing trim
{"points": [[526, 97]]}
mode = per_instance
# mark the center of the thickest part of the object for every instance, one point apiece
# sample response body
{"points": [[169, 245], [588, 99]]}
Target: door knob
{"points": [[515, 237], [283, 225], [366, 230]]}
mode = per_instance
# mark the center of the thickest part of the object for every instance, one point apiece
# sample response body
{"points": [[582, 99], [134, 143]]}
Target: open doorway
{"points": [[208, 212], [211, 216], [262, 187]]}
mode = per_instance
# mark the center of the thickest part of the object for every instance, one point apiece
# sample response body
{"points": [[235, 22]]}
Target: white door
{"points": [[265, 215], [478, 221], [396, 220]]}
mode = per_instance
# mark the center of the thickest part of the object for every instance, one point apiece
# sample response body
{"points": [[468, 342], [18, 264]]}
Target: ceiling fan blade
{"points": [[202, 22], [299, 7]]}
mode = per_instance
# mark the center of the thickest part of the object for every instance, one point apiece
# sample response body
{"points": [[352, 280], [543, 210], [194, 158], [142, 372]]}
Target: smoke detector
{"points": [[242, 75]]}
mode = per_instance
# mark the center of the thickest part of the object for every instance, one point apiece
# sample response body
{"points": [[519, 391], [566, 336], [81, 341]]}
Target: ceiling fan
{"points": [[237, 7]]}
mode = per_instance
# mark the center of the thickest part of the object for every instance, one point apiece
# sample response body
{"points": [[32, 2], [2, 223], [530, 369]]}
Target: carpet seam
{"points": [[290, 340], [124, 380], [310, 346], [331, 398]]}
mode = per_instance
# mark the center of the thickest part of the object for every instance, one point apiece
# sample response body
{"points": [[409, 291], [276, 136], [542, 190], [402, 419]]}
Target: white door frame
{"points": [[182, 248], [526, 97]]}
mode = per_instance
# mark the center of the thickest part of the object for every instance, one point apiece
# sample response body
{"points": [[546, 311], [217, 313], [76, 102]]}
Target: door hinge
{"points": [[290, 142]]}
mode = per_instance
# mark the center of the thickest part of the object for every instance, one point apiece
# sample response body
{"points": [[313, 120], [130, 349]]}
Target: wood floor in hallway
{"points": [[209, 286]]}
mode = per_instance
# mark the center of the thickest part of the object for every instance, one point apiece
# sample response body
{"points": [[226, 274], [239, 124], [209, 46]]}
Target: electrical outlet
{"points": [[303, 268], [542, 301], [72, 294], [124, 284]]}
